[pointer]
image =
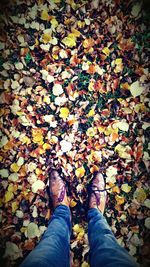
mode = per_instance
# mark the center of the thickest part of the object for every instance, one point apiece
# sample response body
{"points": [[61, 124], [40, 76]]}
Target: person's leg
{"points": [[54, 248], [104, 249]]}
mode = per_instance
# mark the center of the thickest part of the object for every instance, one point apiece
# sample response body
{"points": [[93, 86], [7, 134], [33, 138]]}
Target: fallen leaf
{"points": [[119, 199], [70, 40], [44, 15], [80, 172], [106, 51], [91, 131], [38, 185], [126, 188], [4, 173], [32, 230], [64, 113], [12, 251], [136, 89], [14, 167], [65, 146], [147, 223], [140, 195], [123, 151], [57, 89], [8, 196]]}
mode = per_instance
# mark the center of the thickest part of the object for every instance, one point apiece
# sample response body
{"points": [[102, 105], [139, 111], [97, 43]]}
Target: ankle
{"points": [[64, 202], [101, 209]]}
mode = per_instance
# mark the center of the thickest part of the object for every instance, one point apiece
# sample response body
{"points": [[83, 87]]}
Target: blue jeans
{"points": [[54, 248]]}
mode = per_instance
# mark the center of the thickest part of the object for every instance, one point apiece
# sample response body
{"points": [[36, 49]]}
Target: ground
{"points": [[74, 94]]}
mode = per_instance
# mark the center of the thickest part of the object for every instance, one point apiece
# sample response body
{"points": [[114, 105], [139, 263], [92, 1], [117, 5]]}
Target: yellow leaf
{"points": [[91, 86], [101, 129], [119, 199], [38, 171], [1, 202], [23, 229], [37, 135], [136, 89], [73, 203], [81, 24], [140, 195], [46, 99], [44, 15], [94, 168], [85, 264], [91, 113], [70, 40], [109, 130], [14, 167], [95, 156], [25, 140], [75, 32], [78, 229], [80, 235], [91, 131], [14, 206], [72, 3], [54, 22], [80, 172], [123, 151], [106, 51], [126, 188], [64, 113], [55, 56], [118, 61], [46, 146], [46, 38], [8, 196], [89, 42]]}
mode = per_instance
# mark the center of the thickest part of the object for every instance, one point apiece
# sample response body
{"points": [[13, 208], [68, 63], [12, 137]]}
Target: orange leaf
{"points": [[92, 69], [114, 136], [119, 199], [89, 42], [94, 168]]}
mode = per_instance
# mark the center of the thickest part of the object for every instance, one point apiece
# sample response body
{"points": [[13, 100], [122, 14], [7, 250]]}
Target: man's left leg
{"points": [[54, 248]]}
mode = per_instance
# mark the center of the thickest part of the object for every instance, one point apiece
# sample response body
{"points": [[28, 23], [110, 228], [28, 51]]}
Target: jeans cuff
{"points": [[64, 212], [93, 212]]}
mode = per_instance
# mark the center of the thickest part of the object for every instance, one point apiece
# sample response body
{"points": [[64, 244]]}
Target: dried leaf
{"points": [[38, 185], [64, 113], [136, 89], [65, 146], [32, 230], [140, 195], [126, 188], [80, 172]]}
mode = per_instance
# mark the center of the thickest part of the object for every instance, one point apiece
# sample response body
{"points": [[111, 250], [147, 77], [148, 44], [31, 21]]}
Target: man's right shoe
{"points": [[98, 196]]}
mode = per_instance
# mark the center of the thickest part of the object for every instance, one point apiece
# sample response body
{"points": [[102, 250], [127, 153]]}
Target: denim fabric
{"points": [[104, 249], [54, 248]]}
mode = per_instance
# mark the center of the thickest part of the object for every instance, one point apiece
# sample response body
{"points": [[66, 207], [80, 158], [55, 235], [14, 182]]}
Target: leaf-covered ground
{"points": [[74, 89]]}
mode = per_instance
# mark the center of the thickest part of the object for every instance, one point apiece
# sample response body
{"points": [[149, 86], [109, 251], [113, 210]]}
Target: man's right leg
{"points": [[104, 248]]}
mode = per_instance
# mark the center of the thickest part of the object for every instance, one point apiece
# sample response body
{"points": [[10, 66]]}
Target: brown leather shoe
{"points": [[98, 193], [57, 189]]}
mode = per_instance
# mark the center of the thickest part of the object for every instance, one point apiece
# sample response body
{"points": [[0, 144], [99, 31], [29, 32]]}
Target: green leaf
{"points": [[27, 58]]}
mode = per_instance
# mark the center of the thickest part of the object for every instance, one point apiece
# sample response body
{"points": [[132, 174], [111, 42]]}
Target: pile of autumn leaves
{"points": [[20, 167]]}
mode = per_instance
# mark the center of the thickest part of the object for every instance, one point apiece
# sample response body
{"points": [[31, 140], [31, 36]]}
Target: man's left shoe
{"points": [[57, 189]]}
